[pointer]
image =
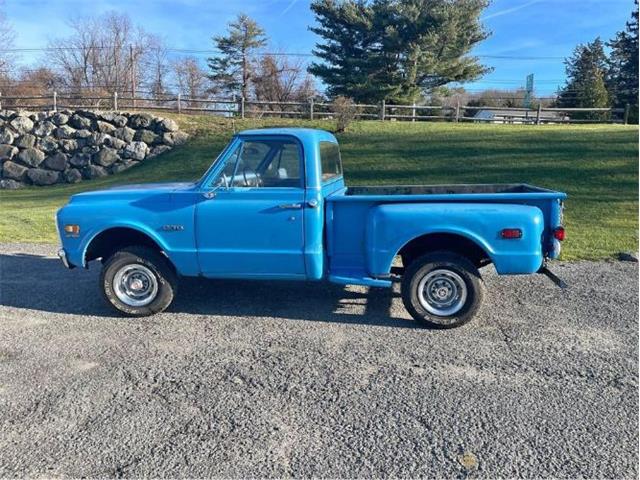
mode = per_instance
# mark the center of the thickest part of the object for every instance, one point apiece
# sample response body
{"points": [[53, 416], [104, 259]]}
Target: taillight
{"points": [[511, 233], [559, 234]]}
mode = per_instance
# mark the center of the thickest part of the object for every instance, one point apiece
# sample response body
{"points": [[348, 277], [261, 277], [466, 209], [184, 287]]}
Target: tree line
{"points": [[597, 79], [369, 50], [399, 51], [107, 54]]}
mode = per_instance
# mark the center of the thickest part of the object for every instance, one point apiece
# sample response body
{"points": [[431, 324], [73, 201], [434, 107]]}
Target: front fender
{"points": [[165, 215], [391, 226], [142, 228]]}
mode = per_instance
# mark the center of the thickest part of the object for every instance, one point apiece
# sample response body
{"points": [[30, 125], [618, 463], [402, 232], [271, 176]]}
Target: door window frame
{"points": [[237, 142]]}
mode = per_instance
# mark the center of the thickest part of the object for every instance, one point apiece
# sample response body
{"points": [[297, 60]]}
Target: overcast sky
{"points": [[520, 28]]}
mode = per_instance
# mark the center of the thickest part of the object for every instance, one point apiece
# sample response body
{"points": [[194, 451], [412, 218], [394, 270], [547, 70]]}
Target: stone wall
{"points": [[47, 148]]}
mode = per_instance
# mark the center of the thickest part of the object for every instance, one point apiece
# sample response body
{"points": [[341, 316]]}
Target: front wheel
{"points": [[138, 281], [442, 290]]}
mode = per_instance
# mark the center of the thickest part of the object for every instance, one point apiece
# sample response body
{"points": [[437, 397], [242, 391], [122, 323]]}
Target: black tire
{"points": [[154, 262], [462, 268]]}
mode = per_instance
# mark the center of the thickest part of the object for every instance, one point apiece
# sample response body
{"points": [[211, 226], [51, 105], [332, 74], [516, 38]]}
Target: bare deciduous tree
{"points": [[280, 79], [157, 67], [7, 36], [33, 82], [103, 54], [191, 78]]}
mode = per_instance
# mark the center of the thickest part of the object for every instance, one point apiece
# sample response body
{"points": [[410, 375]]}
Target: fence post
{"points": [[55, 101], [132, 69], [382, 109], [538, 114], [413, 112], [115, 101], [311, 108], [627, 109], [242, 107], [457, 110], [179, 103], [0, 100]]}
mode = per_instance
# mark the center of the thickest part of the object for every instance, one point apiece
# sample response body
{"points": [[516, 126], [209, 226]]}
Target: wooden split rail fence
{"points": [[313, 109]]}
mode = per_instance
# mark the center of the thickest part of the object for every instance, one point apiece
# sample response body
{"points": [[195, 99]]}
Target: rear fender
{"points": [[391, 226]]}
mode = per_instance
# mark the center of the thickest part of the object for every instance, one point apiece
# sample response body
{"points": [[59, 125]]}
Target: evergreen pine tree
{"points": [[395, 49], [585, 86], [622, 71], [232, 69]]}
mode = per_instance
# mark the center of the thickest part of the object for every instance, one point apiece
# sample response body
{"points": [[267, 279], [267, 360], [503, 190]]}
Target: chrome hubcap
{"points": [[442, 292], [135, 285]]}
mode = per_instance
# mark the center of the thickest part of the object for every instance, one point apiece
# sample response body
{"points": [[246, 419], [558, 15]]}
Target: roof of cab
{"points": [[302, 134]]}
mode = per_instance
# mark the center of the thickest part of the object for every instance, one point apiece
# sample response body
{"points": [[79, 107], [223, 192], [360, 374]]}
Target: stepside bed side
{"points": [[364, 237], [390, 227]]}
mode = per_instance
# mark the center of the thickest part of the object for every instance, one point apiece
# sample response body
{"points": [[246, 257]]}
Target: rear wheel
{"points": [[442, 290], [138, 281]]}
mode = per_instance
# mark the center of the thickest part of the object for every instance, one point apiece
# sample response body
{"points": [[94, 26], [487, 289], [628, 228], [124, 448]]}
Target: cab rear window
{"points": [[330, 160]]}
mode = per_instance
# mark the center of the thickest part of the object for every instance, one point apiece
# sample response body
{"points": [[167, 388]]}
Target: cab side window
{"points": [[330, 161], [251, 157]]}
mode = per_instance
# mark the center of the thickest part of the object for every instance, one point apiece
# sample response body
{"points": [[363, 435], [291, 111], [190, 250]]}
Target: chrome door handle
{"points": [[312, 203], [290, 206], [209, 194]]}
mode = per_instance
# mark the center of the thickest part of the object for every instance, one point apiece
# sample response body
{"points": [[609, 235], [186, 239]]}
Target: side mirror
{"points": [[214, 191]]}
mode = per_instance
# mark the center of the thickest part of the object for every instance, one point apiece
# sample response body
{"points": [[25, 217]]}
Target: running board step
{"points": [[366, 281]]}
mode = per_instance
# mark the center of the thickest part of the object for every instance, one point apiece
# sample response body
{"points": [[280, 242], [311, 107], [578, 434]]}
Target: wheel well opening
{"points": [[114, 239], [444, 241]]}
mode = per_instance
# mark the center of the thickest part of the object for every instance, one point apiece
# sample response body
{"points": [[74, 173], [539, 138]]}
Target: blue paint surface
{"points": [[311, 232]]}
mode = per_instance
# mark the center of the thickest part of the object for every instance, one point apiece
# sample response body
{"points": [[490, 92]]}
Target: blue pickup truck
{"points": [[274, 206]]}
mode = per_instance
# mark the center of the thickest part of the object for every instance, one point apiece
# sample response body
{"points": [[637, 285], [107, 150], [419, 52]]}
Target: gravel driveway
{"points": [[283, 379]]}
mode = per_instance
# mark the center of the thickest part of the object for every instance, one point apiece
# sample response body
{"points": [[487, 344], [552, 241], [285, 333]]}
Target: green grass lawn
{"points": [[596, 165]]}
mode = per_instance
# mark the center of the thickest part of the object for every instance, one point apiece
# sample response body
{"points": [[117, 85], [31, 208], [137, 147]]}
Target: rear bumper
{"points": [[62, 254], [555, 249]]}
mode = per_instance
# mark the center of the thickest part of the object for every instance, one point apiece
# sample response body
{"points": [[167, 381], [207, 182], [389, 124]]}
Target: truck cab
{"points": [[269, 193], [274, 206]]}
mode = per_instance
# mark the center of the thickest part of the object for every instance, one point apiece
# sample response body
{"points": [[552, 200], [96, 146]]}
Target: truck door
{"points": [[249, 221]]}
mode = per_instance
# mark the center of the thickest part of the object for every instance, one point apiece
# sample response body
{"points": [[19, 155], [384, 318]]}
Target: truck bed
{"points": [[357, 237]]}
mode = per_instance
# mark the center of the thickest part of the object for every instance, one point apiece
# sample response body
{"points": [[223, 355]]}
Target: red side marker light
{"points": [[559, 234], [511, 233]]}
